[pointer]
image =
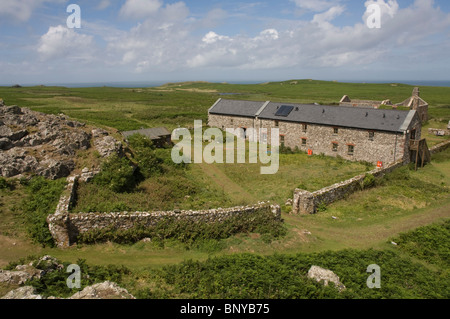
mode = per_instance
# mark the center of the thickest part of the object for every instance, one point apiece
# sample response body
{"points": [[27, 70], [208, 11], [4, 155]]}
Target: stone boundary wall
{"points": [[305, 202], [65, 226], [440, 147]]}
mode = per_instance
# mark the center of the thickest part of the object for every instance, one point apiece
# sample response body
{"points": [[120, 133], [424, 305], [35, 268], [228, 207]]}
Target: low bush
{"points": [[41, 200], [189, 232], [117, 174]]}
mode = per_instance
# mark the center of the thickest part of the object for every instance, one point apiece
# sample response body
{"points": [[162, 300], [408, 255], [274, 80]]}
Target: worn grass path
{"points": [[232, 189]]}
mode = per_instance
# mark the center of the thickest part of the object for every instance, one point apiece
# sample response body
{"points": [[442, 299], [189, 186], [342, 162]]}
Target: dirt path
{"points": [[362, 237]]}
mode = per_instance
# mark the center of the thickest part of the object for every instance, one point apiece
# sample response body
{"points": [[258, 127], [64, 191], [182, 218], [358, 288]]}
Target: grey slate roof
{"points": [[152, 133], [236, 108], [340, 116]]}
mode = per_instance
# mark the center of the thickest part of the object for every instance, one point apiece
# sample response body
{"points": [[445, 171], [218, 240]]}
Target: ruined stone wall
{"points": [[305, 202], [362, 103], [384, 146], [65, 226], [440, 147]]}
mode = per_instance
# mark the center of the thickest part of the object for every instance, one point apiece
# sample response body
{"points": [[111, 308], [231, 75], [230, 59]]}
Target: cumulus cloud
{"points": [[315, 5], [104, 4], [171, 40], [20, 10], [62, 42], [139, 9]]}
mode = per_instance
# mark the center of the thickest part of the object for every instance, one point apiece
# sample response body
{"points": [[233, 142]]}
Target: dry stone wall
{"points": [[440, 147], [306, 202], [65, 227]]}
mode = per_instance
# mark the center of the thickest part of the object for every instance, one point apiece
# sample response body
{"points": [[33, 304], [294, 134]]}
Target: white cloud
{"points": [[329, 15], [170, 40], [20, 10], [212, 37], [316, 5], [104, 4], [61, 42], [139, 9]]}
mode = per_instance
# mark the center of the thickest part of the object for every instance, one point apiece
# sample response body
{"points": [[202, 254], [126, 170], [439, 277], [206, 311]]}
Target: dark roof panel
{"points": [[236, 107], [371, 119]]}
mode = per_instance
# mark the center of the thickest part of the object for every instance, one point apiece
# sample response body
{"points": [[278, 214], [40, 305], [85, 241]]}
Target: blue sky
{"points": [[162, 40]]}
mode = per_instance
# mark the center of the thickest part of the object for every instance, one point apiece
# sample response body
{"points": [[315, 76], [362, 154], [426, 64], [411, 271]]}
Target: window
{"points": [[276, 123], [264, 138], [335, 146], [351, 149], [303, 141], [231, 121], [335, 130], [304, 127], [282, 140], [371, 135]]}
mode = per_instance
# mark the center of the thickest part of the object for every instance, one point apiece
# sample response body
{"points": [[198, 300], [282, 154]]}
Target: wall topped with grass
{"points": [[126, 227]]}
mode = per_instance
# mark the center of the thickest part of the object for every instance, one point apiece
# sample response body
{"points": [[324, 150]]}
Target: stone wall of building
{"points": [[305, 202], [65, 227], [223, 122], [382, 146]]}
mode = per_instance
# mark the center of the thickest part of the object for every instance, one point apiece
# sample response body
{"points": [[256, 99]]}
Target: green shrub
{"points": [[42, 198], [4, 183], [55, 283], [369, 181], [322, 207], [116, 174]]}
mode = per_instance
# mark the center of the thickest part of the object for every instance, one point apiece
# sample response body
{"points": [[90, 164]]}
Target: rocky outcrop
{"points": [[44, 144], [14, 277], [26, 292], [104, 290], [325, 275]]}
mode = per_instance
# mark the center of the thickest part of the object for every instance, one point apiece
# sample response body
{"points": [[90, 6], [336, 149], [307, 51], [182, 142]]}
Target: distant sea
{"points": [[140, 84]]}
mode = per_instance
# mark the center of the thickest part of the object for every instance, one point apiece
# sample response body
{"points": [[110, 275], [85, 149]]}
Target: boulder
{"points": [[319, 274], [48, 264], [26, 292], [14, 277], [105, 290], [5, 143], [108, 145], [54, 169]]}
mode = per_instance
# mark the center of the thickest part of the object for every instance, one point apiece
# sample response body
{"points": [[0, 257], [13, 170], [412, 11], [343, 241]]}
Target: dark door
{"points": [[413, 135]]}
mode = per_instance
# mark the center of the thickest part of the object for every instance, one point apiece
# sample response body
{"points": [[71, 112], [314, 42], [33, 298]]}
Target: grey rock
{"points": [[27, 292], [48, 263], [54, 169], [5, 143], [319, 274], [108, 145], [98, 132], [105, 290], [14, 277]]}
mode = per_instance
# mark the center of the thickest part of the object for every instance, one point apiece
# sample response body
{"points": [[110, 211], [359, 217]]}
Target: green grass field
{"points": [[370, 219]]}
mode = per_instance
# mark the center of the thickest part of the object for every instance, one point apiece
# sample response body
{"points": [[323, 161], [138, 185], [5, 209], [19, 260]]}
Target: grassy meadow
{"points": [[345, 236]]}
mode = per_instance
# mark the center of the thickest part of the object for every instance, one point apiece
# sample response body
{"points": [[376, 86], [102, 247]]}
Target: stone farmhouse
{"points": [[358, 134]]}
